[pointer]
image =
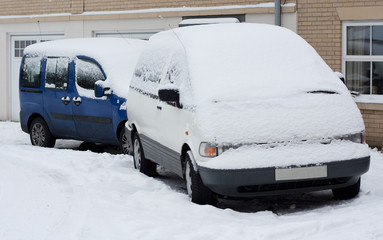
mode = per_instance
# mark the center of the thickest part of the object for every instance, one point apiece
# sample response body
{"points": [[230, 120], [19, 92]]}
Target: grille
{"points": [[293, 185]]}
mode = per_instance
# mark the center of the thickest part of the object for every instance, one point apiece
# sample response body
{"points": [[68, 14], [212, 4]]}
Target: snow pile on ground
{"points": [[66, 194], [118, 57], [257, 83]]}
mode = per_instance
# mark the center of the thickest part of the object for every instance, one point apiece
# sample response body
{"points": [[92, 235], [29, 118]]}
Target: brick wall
{"points": [[319, 24], [373, 120], [28, 7]]}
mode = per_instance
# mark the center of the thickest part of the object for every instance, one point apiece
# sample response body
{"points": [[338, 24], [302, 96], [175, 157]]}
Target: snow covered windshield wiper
{"points": [[323, 91]]}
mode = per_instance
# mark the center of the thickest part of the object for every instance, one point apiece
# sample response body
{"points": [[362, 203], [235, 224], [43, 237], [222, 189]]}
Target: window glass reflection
{"points": [[358, 40]]}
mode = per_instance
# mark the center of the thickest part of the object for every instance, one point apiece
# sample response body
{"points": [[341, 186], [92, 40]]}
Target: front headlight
{"points": [[208, 150], [356, 137]]}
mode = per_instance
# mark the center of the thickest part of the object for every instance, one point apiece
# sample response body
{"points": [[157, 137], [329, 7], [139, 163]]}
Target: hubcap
{"points": [[137, 154], [188, 179], [38, 134]]}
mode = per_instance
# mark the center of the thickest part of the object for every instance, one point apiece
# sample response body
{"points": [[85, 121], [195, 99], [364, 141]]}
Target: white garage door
{"points": [[18, 43]]}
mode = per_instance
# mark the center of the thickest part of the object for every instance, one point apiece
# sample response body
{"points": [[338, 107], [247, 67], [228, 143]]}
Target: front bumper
{"points": [[262, 181]]}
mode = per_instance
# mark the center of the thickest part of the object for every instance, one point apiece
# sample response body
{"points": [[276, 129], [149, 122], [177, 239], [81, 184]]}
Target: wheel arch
{"points": [[134, 130], [33, 117], [120, 126], [185, 149]]}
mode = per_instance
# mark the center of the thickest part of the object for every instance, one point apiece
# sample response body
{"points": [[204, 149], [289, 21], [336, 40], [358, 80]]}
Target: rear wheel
{"points": [[40, 135], [196, 190], [145, 166], [347, 192]]}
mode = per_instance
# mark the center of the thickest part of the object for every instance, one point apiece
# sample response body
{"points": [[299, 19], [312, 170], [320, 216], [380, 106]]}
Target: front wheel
{"points": [[347, 192], [196, 190], [40, 135], [124, 143], [144, 165]]}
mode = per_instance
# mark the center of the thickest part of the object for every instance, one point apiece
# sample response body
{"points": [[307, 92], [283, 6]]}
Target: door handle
{"points": [[77, 100], [65, 100], [159, 107]]}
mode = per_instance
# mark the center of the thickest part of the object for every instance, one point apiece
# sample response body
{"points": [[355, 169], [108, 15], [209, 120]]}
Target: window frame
{"points": [[360, 58]]}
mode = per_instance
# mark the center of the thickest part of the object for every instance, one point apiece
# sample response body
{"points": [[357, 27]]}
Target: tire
{"points": [[196, 190], [347, 192], [145, 166], [40, 135], [124, 143]]}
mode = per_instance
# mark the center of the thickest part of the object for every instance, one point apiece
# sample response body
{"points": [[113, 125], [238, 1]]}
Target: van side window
{"points": [[30, 72], [149, 71], [177, 76], [56, 73], [87, 73]]}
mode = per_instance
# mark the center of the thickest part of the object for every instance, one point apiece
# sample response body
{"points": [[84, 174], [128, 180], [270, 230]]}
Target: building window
{"points": [[20, 45], [363, 57]]}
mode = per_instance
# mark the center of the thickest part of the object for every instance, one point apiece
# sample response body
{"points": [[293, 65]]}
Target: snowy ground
{"points": [[63, 193]]}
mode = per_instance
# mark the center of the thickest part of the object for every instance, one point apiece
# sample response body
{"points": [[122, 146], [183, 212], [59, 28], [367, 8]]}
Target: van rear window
{"points": [[30, 72]]}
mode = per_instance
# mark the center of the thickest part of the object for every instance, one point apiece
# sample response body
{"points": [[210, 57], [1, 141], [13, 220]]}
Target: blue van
{"points": [[76, 89]]}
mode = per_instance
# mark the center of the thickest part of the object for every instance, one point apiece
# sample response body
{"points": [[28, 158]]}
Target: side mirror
{"points": [[340, 76], [100, 90], [169, 95]]}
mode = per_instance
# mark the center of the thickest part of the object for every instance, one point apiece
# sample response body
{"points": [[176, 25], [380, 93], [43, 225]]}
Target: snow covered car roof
{"points": [[117, 56], [259, 83]]}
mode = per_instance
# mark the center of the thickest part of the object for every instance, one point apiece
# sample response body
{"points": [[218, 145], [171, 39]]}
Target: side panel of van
{"points": [[62, 93], [92, 115], [57, 96]]}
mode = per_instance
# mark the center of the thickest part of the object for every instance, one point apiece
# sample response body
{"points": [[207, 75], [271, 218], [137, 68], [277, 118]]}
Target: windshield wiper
{"points": [[323, 91]]}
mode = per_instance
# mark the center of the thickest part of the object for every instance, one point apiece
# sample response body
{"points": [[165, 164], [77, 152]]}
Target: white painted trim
{"points": [[369, 58]]}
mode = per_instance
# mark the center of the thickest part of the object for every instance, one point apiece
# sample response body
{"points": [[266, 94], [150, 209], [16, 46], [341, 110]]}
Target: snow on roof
{"points": [[263, 83], [117, 56]]}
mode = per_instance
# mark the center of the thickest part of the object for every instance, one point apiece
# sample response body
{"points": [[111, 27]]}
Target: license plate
{"points": [[299, 173]]}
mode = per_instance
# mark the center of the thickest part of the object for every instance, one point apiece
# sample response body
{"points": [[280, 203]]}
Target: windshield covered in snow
{"points": [[233, 62]]}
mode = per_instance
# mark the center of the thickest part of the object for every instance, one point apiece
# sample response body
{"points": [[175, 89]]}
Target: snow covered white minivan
{"points": [[76, 89], [244, 110]]}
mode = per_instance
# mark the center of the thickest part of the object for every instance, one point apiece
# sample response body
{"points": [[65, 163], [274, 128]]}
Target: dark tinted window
{"points": [[30, 72], [377, 40], [56, 73], [87, 73], [358, 40]]}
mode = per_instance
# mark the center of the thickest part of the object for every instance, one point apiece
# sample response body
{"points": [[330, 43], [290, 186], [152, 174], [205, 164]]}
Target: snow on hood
{"points": [[118, 57], [261, 83]]}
